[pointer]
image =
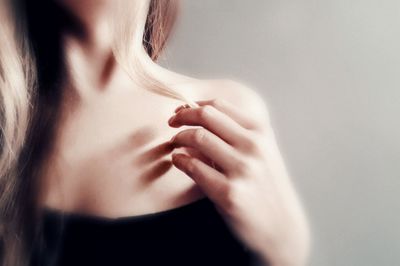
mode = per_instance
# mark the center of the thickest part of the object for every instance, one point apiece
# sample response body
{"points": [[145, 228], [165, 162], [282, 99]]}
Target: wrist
{"points": [[284, 254], [274, 259]]}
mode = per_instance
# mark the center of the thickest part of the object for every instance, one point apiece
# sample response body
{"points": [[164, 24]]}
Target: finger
{"points": [[238, 115], [195, 153], [209, 145], [213, 120], [211, 182], [181, 107]]}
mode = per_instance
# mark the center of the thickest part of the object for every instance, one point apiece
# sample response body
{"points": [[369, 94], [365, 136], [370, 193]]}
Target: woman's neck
{"points": [[89, 51], [90, 16], [88, 44]]}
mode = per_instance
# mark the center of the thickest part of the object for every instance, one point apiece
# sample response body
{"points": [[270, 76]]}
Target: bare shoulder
{"points": [[239, 94]]}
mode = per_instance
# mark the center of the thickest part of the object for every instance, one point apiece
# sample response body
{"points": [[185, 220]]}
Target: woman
{"points": [[103, 163]]}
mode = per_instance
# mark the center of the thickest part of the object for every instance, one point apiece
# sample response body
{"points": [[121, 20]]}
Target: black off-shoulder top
{"points": [[192, 234]]}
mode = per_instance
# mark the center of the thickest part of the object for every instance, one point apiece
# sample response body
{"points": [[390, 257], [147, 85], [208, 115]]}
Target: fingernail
{"points": [[179, 108], [171, 119]]}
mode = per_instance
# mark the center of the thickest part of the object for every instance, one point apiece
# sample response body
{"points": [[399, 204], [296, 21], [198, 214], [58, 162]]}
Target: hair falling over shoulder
{"points": [[25, 124]]}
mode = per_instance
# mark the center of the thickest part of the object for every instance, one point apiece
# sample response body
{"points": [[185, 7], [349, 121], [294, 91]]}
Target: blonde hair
{"points": [[18, 102], [127, 50]]}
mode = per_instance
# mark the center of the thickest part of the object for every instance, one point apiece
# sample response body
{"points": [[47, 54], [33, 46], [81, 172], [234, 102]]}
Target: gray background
{"points": [[329, 71]]}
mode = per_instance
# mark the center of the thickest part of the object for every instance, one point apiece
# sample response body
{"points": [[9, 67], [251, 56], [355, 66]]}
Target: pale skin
{"points": [[243, 173], [224, 149]]}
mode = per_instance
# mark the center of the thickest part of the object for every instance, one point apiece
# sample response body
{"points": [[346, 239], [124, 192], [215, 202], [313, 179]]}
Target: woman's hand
{"points": [[241, 170]]}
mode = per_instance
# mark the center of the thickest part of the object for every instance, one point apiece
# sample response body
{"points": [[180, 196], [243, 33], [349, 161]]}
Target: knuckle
{"points": [[205, 112], [251, 145], [180, 135], [241, 167], [230, 199], [226, 193], [191, 166], [199, 135], [218, 102], [245, 167]]}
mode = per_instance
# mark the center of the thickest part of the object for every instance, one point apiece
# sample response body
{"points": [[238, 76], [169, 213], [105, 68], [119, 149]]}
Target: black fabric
{"points": [[193, 234]]}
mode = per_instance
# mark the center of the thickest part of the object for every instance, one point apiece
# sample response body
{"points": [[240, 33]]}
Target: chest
{"points": [[111, 157]]}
